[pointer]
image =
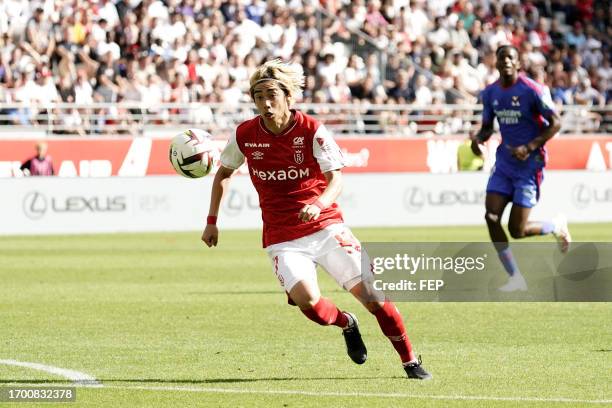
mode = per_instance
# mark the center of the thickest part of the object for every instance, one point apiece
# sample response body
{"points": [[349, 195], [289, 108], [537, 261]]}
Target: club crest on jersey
{"points": [[299, 157], [515, 101], [257, 155]]}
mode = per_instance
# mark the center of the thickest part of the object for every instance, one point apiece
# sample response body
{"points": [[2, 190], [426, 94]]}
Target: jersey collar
{"points": [[297, 117]]}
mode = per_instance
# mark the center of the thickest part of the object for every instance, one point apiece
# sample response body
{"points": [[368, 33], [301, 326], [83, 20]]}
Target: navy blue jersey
{"points": [[522, 111]]}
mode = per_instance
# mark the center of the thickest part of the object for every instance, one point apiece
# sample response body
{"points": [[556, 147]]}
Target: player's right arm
{"points": [[231, 159], [486, 129], [210, 236]]}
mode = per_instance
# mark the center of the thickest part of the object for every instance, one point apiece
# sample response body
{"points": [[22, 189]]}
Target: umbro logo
{"points": [[257, 155]]}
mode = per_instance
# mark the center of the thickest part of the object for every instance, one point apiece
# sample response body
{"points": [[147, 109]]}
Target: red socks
{"points": [[392, 326], [325, 313]]}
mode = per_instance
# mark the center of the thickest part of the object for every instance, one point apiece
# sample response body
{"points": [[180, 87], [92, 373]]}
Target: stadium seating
{"points": [[397, 68]]}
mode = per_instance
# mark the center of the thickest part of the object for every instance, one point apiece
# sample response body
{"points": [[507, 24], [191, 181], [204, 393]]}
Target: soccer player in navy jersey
{"points": [[527, 120], [295, 165]]}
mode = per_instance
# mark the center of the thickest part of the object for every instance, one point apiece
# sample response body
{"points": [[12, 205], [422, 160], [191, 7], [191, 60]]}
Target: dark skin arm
{"points": [[522, 152], [485, 132]]}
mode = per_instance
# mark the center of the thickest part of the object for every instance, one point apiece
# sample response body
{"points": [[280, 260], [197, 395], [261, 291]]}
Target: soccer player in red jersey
{"points": [[295, 166]]}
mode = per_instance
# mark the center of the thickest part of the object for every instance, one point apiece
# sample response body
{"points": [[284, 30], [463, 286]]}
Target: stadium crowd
{"points": [[356, 52]]}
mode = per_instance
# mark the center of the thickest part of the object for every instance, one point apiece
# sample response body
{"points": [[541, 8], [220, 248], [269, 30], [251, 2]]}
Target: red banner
{"points": [[101, 157]]}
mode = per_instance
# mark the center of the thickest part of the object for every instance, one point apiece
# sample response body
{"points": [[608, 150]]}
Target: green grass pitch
{"points": [[162, 320]]}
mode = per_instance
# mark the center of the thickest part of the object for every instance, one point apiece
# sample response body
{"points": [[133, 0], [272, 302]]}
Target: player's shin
{"points": [[392, 326], [326, 313], [507, 259], [516, 280]]}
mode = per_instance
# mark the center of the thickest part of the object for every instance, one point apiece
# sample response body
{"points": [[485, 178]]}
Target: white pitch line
{"points": [[81, 379], [77, 377], [356, 394]]}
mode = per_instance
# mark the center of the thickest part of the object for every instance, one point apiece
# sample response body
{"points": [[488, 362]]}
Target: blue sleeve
{"points": [[544, 103], [487, 109]]}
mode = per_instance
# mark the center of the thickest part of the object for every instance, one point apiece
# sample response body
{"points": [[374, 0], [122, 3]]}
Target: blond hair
{"points": [[289, 78]]}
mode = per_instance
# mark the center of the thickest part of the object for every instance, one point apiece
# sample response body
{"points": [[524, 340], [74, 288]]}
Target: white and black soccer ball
{"points": [[192, 153]]}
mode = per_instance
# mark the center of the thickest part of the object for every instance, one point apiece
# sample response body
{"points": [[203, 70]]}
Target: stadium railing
{"points": [[364, 119]]}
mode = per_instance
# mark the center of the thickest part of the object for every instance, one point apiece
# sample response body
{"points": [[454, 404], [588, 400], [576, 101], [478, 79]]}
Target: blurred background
{"points": [[103, 85]]}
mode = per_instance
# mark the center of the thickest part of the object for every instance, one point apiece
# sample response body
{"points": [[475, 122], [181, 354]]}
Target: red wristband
{"points": [[211, 220], [319, 204]]}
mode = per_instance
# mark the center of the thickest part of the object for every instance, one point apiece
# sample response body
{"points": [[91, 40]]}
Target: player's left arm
{"points": [[328, 197], [330, 160], [545, 107]]}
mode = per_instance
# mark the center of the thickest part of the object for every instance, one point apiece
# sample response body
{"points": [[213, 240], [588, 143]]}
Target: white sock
{"points": [[350, 319], [411, 362]]}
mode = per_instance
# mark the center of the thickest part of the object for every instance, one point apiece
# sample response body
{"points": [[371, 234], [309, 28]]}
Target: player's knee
{"points": [[492, 218], [516, 231], [306, 303], [373, 307]]}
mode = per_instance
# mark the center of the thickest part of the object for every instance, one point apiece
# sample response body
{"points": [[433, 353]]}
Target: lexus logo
{"points": [[414, 199], [35, 205], [581, 195], [236, 202], [584, 195]]}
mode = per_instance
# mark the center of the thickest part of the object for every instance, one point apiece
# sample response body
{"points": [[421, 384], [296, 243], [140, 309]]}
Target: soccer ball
{"points": [[192, 153]]}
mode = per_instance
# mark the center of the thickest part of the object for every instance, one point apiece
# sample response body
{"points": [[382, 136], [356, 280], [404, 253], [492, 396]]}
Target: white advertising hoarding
{"points": [[85, 205], [167, 203]]}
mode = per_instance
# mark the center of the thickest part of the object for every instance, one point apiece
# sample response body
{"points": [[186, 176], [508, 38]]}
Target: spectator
{"points": [[576, 37], [467, 16], [417, 20], [422, 92], [556, 35], [439, 36], [245, 32], [327, 69], [486, 69], [460, 40], [540, 37], [83, 91], [108, 12], [354, 72], [403, 91], [519, 35], [587, 95], [256, 10]]}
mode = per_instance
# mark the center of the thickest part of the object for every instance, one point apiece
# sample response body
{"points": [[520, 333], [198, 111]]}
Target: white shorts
{"points": [[335, 248]]}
